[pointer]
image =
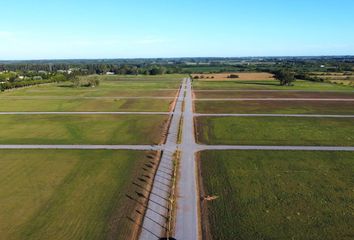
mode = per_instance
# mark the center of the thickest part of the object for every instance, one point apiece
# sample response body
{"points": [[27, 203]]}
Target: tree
{"points": [[157, 70], [93, 81], [285, 77], [59, 78]]}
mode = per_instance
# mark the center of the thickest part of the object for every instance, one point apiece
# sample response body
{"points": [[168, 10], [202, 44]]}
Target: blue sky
{"points": [[42, 29]]}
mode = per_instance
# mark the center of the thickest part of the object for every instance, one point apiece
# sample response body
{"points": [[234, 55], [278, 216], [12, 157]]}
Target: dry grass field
{"points": [[346, 78], [243, 76]]}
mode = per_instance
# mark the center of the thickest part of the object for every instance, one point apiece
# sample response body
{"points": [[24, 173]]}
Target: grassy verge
{"points": [[171, 222], [79, 129], [62, 194], [180, 131], [278, 194], [275, 131]]}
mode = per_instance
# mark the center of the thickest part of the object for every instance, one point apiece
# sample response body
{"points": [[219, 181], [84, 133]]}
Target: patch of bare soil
{"points": [[242, 76]]}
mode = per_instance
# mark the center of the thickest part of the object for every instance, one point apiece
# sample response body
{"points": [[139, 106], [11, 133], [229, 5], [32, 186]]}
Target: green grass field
{"points": [[54, 90], [267, 84], [62, 194], [110, 86], [82, 129], [275, 131], [273, 94], [278, 107], [279, 194], [85, 105]]}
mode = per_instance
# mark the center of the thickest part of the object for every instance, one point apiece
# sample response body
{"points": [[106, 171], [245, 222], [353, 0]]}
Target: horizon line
{"points": [[196, 57]]}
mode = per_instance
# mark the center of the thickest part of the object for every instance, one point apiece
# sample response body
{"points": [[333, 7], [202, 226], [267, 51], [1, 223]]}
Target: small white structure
{"points": [[110, 73]]}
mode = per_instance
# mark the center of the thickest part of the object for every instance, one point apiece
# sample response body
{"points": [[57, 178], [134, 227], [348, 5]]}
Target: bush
{"points": [[233, 76]]}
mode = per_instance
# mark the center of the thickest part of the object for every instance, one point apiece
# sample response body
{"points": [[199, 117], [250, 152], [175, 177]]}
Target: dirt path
{"points": [[83, 147], [264, 90], [278, 99], [276, 148], [76, 98], [270, 115], [85, 113]]}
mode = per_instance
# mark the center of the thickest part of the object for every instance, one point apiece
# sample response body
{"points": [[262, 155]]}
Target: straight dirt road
{"points": [[85, 113], [187, 225], [83, 147], [158, 209], [278, 99], [270, 115]]}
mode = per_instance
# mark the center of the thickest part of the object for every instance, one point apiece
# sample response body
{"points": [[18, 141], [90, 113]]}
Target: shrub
{"points": [[233, 76]]}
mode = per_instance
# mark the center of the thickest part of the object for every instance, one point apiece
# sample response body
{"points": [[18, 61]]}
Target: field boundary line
{"points": [[275, 148], [278, 99], [271, 115], [259, 90], [86, 113], [78, 98], [83, 147]]}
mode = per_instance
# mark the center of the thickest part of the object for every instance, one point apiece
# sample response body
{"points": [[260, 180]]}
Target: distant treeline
{"points": [[15, 82], [184, 65]]}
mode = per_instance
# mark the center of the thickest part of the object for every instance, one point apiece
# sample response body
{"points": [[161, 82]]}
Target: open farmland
{"points": [[254, 76], [343, 78], [276, 107], [278, 194], [67, 104], [263, 194], [275, 131], [82, 129], [112, 90], [146, 114], [267, 85], [274, 94], [84, 193], [68, 194]]}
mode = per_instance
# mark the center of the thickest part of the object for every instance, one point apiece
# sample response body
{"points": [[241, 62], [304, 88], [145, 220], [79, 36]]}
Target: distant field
{"points": [[54, 90], [110, 86], [278, 107], [79, 129], [267, 85], [62, 194], [275, 131], [144, 78], [278, 94], [106, 89], [346, 78], [278, 194], [88, 105], [242, 76]]}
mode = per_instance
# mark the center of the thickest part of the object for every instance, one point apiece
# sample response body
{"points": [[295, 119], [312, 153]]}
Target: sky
{"points": [[77, 29]]}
